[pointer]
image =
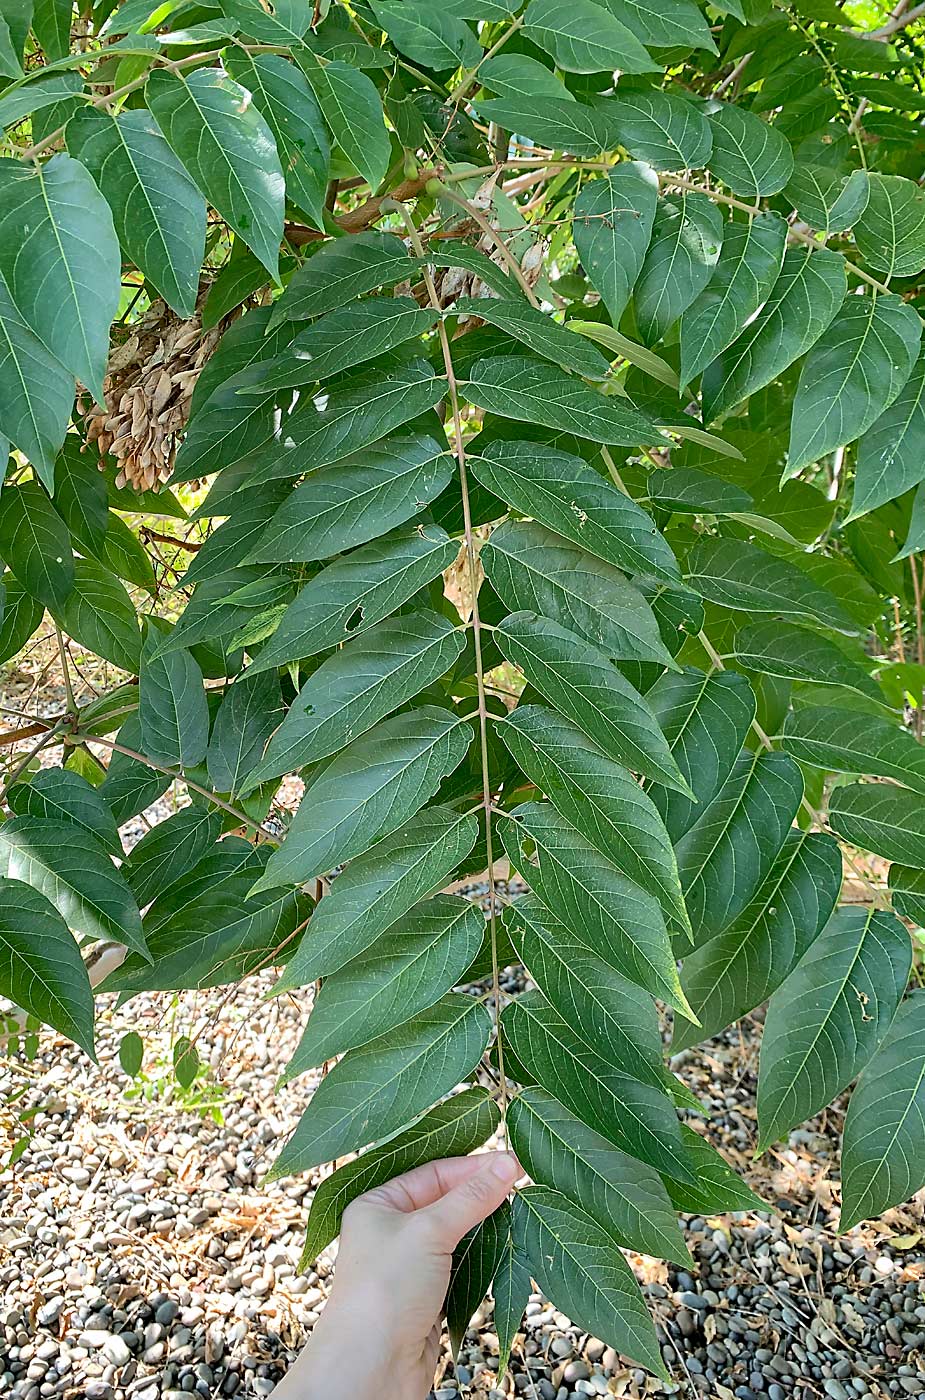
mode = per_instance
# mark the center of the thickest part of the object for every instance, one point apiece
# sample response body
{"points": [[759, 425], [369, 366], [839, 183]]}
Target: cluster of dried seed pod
{"points": [[152, 371]]}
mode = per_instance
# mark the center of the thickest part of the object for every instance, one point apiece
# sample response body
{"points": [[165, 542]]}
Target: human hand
{"points": [[382, 1323]]}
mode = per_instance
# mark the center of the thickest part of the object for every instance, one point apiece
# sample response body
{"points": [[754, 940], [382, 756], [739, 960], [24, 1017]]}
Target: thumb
{"points": [[474, 1199]]}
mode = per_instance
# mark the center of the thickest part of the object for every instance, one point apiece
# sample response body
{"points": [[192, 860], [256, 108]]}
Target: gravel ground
{"points": [[140, 1257]]}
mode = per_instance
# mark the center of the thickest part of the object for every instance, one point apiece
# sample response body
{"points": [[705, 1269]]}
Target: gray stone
{"points": [[116, 1351]]}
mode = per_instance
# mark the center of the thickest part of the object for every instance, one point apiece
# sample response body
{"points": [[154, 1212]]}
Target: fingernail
{"points": [[503, 1166]]}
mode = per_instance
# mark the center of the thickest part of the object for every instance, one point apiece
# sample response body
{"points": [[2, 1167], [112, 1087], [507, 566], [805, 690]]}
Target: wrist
{"points": [[351, 1338]]}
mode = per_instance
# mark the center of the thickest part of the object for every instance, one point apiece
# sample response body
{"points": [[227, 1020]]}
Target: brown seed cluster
{"points": [[152, 371]]}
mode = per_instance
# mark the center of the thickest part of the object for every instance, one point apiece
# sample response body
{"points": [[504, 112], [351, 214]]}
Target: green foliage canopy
{"points": [[556, 373]]}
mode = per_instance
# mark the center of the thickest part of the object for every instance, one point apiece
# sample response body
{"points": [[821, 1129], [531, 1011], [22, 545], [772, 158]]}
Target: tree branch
{"points": [[236, 812], [901, 18], [355, 220]]}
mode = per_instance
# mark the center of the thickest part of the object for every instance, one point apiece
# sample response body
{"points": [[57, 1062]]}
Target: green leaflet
{"points": [[353, 110], [890, 454], [511, 1288], [359, 685], [661, 129], [665, 23], [748, 154], [60, 795], [625, 1197], [59, 257], [342, 270], [687, 238], [246, 342], [882, 1162], [375, 1089], [378, 888], [882, 818], [286, 25], [159, 214], [375, 784], [533, 570], [557, 121], [826, 1021], [633, 1116], [35, 543], [584, 37], [618, 921], [451, 1129], [41, 969], [599, 798], [172, 705], [801, 304], [226, 430], [77, 877], [229, 150], [36, 392], [100, 615], [916, 534], [20, 617], [475, 1260], [624, 348], [355, 501], [826, 199], [403, 971], [731, 974], [615, 1021], [579, 1267], [716, 1188], [705, 720], [833, 739], [284, 98], [355, 592], [538, 332], [533, 391], [124, 554], [796, 653], [745, 577], [890, 231], [226, 548], [612, 226], [585, 686], [852, 374], [430, 37], [130, 785], [340, 340], [687, 490], [224, 861], [237, 608], [729, 850], [565, 494], [332, 426], [242, 276], [169, 850], [745, 272], [249, 713], [207, 930], [19, 102]]}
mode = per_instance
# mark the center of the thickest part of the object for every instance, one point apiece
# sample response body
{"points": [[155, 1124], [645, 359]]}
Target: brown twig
{"points": [[179, 777], [149, 534], [356, 220], [901, 18], [15, 736]]}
